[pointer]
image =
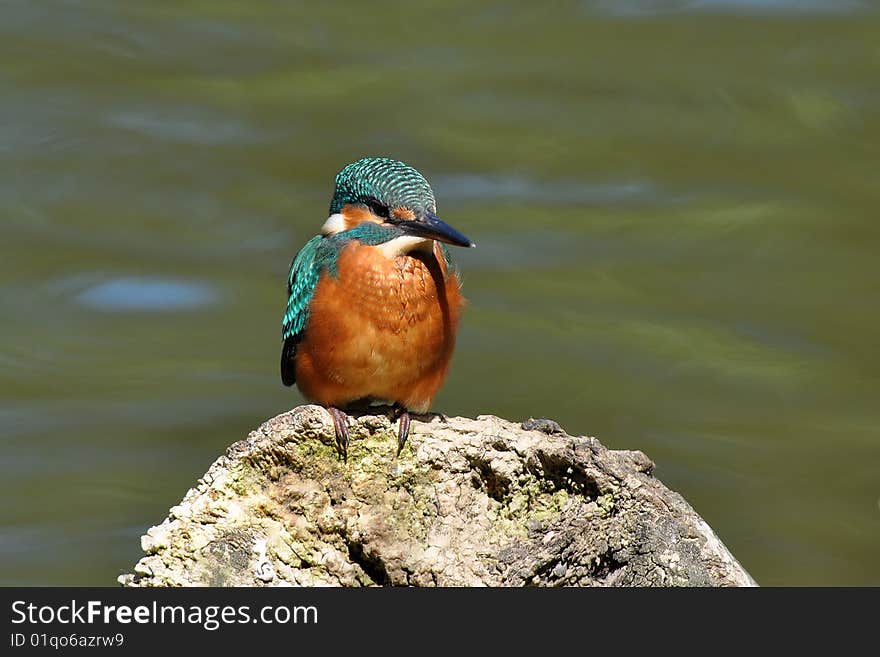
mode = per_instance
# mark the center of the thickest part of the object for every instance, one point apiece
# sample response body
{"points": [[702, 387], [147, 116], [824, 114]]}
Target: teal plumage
{"points": [[301, 282], [392, 182]]}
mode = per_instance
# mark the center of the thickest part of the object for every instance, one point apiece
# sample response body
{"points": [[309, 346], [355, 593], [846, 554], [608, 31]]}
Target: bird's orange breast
{"points": [[382, 329]]}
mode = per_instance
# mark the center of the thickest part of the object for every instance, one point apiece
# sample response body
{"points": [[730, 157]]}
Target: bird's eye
{"points": [[378, 208]]}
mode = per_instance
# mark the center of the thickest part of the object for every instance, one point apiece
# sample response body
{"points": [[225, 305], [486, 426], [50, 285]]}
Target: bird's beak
{"points": [[432, 227]]}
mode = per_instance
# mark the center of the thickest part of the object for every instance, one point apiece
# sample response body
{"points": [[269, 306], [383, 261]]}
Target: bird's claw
{"points": [[340, 425], [402, 430]]}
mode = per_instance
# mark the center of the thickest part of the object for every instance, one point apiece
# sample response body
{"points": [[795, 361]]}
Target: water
{"points": [[674, 202]]}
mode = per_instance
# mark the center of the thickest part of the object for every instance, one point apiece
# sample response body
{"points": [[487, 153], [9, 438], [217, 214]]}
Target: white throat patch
{"points": [[405, 244]]}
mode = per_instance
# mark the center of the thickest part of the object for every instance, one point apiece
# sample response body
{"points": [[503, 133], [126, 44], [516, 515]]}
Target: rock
{"points": [[480, 502]]}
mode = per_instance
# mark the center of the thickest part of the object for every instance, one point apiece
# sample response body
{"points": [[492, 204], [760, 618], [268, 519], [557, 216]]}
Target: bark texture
{"points": [[469, 502]]}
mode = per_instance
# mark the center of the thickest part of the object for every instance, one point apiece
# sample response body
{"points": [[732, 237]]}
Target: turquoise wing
{"points": [[301, 282]]}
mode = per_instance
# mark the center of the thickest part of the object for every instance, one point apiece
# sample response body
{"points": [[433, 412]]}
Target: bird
{"points": [[374, 300]]}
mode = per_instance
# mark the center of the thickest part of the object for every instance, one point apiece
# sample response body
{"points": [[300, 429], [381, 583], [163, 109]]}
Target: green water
{"points": [[675, 206]]}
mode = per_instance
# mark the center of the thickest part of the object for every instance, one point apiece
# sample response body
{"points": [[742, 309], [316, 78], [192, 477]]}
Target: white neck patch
{"points": [[335, 224]]}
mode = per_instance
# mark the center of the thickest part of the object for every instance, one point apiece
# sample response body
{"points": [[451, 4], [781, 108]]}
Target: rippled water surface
{"points": [[675, 205]]}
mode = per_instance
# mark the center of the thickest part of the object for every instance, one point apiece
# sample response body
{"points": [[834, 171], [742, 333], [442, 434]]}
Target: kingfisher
{"points": [[373, 300]]}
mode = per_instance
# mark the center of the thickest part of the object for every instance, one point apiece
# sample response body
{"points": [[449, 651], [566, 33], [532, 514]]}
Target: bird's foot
{"points": [[340, 424]]}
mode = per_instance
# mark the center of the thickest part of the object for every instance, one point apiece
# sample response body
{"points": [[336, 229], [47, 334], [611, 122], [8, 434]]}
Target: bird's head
{"points": [[390, 193]]}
